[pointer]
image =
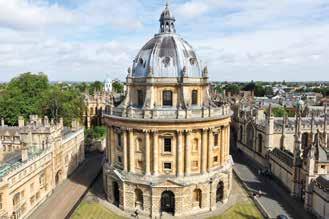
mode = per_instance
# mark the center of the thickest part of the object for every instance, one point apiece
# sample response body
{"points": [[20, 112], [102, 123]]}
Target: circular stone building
{"points": [[168, 144]]}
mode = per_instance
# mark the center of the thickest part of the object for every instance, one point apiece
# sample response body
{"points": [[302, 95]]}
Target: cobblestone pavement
{"points": [[67, 195], [276, 199]]}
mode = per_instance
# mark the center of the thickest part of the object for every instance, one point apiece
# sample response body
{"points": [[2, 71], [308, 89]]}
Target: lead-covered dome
{"points": [[167, 54]]}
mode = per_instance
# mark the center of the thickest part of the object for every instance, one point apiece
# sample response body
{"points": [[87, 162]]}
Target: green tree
{"points": [[117, 87], [219, 89], [233, 89], [22, 96]]}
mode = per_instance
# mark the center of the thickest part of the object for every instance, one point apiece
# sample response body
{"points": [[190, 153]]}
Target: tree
{"points": [[117, 87], [22, 96], [233, 89], [219, 89]]}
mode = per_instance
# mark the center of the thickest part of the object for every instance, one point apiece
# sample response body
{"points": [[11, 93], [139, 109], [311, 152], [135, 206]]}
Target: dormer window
{"points": [[192, 61], [141, 61], [194, 97], [166, 61], [140, 98], [167, 98]]}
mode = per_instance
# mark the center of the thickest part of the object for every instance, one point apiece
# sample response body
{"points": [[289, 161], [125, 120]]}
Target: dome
{"points": [[167, 54]]}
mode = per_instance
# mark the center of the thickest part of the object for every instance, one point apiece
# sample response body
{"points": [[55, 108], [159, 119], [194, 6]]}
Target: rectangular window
{"points": [[167, 98], [167, 166], [216, 139], [215, 159], [194, 97], [140, 98], [167, 145]]}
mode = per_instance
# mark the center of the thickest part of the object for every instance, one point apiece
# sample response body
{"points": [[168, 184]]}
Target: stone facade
{"points": [[168, 144], [47, 154], [294, 149]]}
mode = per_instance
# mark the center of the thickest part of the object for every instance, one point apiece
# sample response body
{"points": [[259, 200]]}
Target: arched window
{"points": [[194, 97], [241, 133], [197, 197], [250, 136], [139, 199], [16, 199], [216, 139], [91, 111], [167, 98], [260, 143]]}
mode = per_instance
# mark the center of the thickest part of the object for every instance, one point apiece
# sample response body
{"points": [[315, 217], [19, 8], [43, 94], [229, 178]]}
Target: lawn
{"points": [[93, 210], [244, 210]]}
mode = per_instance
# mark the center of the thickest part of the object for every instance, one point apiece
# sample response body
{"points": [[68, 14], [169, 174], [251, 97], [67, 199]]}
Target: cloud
{"points": [[22, 14], [240, 39]]}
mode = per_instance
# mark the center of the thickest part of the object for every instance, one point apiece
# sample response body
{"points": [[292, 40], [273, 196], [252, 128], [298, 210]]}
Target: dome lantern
{"points": [[167, 21]]}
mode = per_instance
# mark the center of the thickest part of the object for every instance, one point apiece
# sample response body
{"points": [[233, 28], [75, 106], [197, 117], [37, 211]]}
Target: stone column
{"points": [[210, 148], [223, 144], [204, 151], [228, 138], [180, 154], [147, 153], [155, 153], [188, 153], [125, 152], [131, 151]]}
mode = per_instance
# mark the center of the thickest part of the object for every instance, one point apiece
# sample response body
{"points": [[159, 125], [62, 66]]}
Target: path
{"points": [[67, 195]]}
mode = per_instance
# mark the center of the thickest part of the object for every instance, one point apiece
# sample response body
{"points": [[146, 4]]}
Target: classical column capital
{"points": [[188, 131], [155, 131], [146, 131], [129, 129]]}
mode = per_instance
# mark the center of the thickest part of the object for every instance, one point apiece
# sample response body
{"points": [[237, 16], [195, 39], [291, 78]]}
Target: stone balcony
{"points": [[169, 113]]}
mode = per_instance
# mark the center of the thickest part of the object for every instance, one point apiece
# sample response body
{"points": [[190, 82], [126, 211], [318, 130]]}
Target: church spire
{"points": [[167, 21]]}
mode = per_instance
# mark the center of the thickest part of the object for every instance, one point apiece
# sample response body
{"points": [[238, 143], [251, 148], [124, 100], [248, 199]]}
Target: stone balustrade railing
{"points": [[169, 113]]}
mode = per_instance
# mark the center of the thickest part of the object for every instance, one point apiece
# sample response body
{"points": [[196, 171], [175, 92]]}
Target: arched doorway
{"points": [[116, 194], [168, 202], [220, 192], [58, 177]]}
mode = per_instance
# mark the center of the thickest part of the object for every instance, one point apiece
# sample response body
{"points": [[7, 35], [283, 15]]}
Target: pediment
{"points": [[169, 183]]}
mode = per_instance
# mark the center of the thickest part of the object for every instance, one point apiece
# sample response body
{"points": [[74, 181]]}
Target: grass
{"points": [[243, 210], [93, 210]]}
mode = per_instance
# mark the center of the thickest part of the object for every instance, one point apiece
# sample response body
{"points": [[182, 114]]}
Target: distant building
{"points": [[34, 159]]}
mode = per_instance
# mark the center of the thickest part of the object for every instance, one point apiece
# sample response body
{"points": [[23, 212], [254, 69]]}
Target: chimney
{"points": [[24, 153], [2, 122], [21, 122]]}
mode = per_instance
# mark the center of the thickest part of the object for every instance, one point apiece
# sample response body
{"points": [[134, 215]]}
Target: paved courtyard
{"points": [[67, 195], [276, 199]]}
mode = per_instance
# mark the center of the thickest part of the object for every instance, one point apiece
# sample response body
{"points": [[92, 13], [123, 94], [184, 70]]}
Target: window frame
{"points": [[167, 98], [164, 145], [194, 97], [140, 98]]}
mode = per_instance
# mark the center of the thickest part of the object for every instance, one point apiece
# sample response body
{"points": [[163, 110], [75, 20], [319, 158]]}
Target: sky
{"points": [[239, 40]]}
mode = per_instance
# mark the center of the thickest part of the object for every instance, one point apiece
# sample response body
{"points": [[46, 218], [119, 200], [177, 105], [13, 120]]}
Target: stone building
{"points": [[294, 149], [95, 105], [35, 158], [168, 144]]}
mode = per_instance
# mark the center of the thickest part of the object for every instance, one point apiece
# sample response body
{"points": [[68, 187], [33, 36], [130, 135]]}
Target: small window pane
{"points": [[167, 145], [194, 97], [216, 139], [167, 166], [167, 98]]}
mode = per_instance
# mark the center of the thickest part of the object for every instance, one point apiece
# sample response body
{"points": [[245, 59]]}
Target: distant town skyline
{"points": [[87, 40]]}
